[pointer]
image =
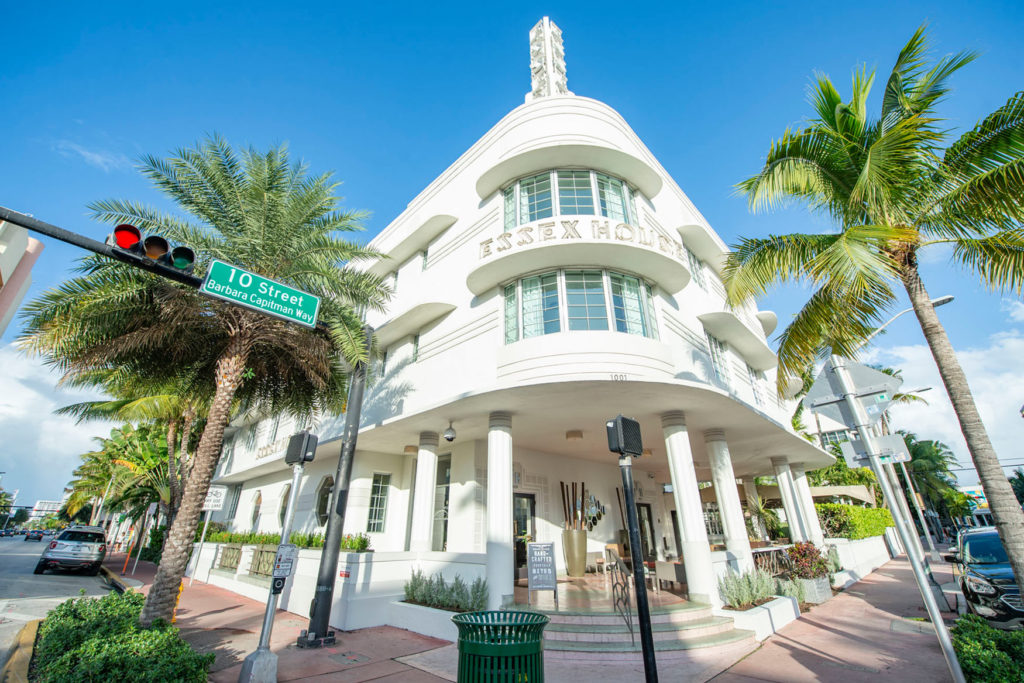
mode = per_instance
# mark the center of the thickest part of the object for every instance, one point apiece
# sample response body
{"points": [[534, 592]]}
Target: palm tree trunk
{"points": [[186, 436], [1006, 511], [164, 592], [172, 474]]}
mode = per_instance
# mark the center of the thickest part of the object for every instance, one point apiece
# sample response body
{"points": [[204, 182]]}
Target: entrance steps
{"points": [[685, 630]]}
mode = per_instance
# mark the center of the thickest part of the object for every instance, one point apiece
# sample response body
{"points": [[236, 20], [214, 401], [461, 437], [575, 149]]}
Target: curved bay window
{"points": [[567, 192], [579, 299]]}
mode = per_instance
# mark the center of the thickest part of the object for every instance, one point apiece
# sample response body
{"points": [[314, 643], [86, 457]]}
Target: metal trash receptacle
{"points": [[497, 646]]}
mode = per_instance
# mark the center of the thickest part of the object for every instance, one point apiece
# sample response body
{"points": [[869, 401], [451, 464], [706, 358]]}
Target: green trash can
{"points": [[497, 646]]}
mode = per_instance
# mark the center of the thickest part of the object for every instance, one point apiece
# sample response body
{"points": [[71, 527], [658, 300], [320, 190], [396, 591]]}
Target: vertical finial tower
{"points": [[547, 61]]}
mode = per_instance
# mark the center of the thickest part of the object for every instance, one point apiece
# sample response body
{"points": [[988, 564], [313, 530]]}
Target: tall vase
{"points": [[574, 544]]}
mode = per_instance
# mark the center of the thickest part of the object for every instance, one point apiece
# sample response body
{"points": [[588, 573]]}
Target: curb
{"points": [[16, 669], [113, 579]]}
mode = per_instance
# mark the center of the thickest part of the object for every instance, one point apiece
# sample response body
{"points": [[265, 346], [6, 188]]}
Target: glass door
{"points": [[523, 525]]}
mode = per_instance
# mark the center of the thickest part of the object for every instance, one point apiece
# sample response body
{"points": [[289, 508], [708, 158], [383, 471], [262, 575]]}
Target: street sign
{"points": [[234, 285], [891, 449], [215, 498], [284, 563], [874, 388]]}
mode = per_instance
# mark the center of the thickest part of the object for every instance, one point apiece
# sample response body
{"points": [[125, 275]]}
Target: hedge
{"points": [[90, 639], [851, 521], [986, 654], [351, 542]]}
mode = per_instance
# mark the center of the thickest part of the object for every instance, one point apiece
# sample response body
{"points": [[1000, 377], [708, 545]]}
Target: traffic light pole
{"points": [[837, 365], [643, 610], [920, 513], [83, 242], [319, 633]]}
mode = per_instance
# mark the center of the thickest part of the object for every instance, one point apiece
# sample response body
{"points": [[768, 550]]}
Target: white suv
{"points": [[77, 547]]}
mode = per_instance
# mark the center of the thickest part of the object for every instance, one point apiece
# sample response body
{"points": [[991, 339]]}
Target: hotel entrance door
{"points": [[523, 529]]}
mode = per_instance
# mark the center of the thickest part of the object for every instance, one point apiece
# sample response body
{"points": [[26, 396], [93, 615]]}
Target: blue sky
{"points": [[387, 95]]}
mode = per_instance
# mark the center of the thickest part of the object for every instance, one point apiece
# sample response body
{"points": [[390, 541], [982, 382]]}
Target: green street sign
{"points": [[237, 286]]}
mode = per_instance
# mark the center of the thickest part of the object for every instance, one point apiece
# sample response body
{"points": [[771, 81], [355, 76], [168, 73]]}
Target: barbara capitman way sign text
{"points": [[237, 286]]}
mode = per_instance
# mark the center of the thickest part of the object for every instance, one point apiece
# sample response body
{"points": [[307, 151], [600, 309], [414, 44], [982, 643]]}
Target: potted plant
{"points": [[810, 568]]}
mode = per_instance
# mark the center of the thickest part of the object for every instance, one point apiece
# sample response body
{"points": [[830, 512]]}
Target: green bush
{"points": [[455, 596], [90, 639], [807, 562], [213, 528], [350, 542], [788, 588], [852, 521], [743, 590], [986, 654]]}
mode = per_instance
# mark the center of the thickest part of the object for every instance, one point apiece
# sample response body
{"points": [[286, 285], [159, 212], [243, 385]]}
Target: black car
{"points": [[986, 579], [34, 535]]}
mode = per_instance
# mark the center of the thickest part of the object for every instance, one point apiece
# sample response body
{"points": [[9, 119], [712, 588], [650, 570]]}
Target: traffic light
{"points": [[129, 238]]}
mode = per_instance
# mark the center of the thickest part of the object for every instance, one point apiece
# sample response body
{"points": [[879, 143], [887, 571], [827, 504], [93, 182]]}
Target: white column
{"points": [[500, 549], [422, 534], [700, 576], [806, 503], [729, 507], [784, 478], [750, 491]]}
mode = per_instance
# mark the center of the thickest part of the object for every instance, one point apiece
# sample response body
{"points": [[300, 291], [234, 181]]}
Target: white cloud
{"points": [[995, 374], [102, 159], [1014, 309], [38, 450]]}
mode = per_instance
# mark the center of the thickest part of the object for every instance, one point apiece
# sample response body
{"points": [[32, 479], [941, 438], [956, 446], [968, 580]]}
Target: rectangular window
{"points": [[575, 196], [718, 358], [652, 324], [275, 425], [394, 282], [758, 381], [696, 269], [250, 438], [424, 255], [584, 292], [535, 198], [612, 195], [631, 205], [510, 208], [832, 438], [233, 495], [540, 305], [384, 363], [415, 348], [511, 314], [627, 304], [378, 503]]}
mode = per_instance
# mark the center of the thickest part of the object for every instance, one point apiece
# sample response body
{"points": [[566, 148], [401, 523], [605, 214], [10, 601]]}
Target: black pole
{"points": [[643, 610], [319, 632]]}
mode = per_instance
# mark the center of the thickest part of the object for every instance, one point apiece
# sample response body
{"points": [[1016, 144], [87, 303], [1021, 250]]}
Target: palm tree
{"points": [[1017, 484], [268, 216], [892, 191]]}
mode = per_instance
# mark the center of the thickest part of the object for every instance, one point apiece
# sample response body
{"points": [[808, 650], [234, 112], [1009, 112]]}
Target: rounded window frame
{"points": [[321, 489], [632, 193]]}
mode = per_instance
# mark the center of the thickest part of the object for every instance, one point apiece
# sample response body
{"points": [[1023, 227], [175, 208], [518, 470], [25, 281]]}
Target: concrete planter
{"points": [[426, 620], [816, 591], [765, 619]]}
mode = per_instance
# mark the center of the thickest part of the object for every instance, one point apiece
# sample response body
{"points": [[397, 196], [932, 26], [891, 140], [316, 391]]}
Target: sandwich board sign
{"points": [[540, 570]]}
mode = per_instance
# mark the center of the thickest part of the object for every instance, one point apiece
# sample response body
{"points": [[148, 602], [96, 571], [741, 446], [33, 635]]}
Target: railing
{"points": [[230, 556], [263, 560], [774, 560], [620, 589]]}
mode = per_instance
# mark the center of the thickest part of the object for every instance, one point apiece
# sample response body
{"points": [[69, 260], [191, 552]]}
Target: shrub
{"points": [[788, 588], [350, 542], [746, 589], [986, 654], [90, 639], [852, 521], [807, 562], [357, 542], [213, 528], [436, 592]]}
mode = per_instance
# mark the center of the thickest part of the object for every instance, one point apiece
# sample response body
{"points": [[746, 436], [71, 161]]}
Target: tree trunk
{"points": [[164, 592], [172, 474], [1006, 511], [186, 436]]}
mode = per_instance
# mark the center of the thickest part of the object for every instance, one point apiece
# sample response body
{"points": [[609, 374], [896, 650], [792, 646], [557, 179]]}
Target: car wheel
{"points": [[40, 568], [93, 570]]}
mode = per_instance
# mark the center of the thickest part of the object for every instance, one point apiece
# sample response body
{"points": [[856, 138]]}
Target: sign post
{"points": [[214, 502], [242, 288], [540, 570], [838, 388]]}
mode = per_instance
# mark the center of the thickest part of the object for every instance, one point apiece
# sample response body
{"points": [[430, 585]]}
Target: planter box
{"points": [[816, 591], [766, 619], [426, 620]]}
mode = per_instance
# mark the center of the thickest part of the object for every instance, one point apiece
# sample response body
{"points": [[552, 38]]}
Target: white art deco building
{"points": [[552, 277]]}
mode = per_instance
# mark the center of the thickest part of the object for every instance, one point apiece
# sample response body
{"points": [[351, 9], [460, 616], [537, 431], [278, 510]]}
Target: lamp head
{"points": [[449, 434]]}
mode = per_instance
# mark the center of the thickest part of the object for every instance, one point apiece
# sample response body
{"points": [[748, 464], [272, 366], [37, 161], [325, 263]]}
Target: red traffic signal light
{"points": [[155, 247]]}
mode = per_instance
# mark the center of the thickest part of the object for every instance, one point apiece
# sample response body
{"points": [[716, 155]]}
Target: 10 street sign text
{"points": [[237, 286]]}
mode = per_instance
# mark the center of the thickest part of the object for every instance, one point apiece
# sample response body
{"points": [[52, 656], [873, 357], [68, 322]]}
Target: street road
{"points": [[25, 596]]}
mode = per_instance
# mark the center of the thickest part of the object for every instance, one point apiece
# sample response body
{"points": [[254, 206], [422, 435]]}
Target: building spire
{"points": [[547, 61]]}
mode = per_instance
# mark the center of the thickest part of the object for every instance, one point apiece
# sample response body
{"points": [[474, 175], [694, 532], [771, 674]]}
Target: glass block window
{"points": [[628, 304], [697, 270], [575, 195], [378, 503], [424, 256], [718, 358], [652, 325], [758, 381], [611, 193], [511, 314], [540, 305], [585, 301], [510, 208], [323, 500], [535, 198]]}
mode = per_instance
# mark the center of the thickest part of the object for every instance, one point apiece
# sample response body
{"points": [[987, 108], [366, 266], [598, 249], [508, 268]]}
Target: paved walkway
{"points": [[867, 632]]}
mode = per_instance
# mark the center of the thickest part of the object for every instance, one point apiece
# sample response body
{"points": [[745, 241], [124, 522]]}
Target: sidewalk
{"points": [[216, 620], [865, 633]]}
